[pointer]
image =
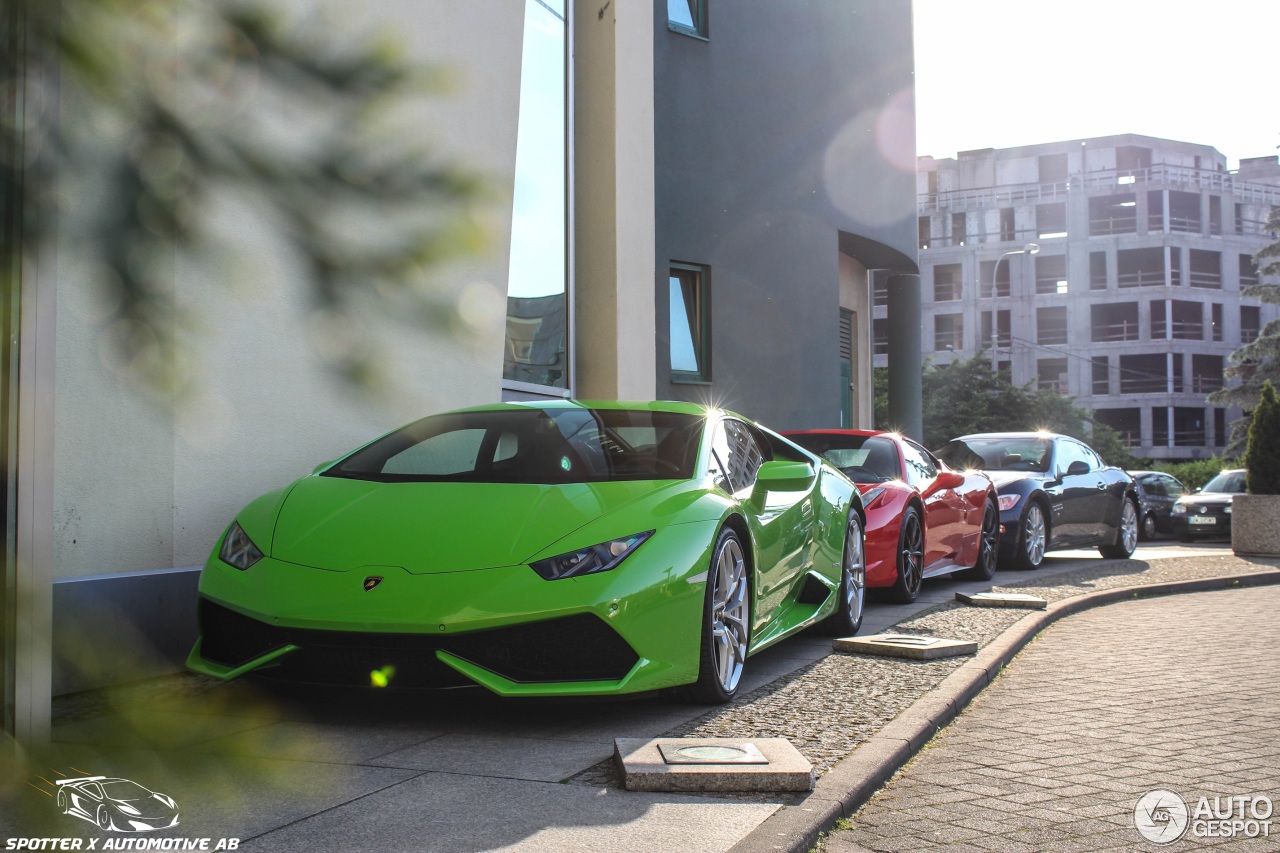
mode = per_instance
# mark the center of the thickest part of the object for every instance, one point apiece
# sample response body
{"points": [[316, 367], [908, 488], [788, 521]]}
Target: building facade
{"points": [[1109, 269], [689, 200]]}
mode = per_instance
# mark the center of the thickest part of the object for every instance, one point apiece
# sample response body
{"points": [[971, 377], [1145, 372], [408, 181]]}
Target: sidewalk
{"points": [[1178, 693], [384, 771]]}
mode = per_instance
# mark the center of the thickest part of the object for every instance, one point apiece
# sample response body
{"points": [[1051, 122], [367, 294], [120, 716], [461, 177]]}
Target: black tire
{"points": [[104, 819], [910, 561], [1126, 534], [852, 592], [64, 804], [988, 547], [1033, 537], [1147, 531], [723, 647]]}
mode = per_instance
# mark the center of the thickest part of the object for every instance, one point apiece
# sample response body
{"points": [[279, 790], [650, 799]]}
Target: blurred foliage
{"points": [[968, 396], [1197, 472], [1258, 361], [1263, 456], [144, 121]]}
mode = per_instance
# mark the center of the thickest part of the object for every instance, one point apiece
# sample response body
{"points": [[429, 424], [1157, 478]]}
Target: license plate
{"points": [[1201, 519]]}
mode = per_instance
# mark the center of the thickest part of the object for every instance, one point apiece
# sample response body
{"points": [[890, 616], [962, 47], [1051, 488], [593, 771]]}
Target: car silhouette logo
{"points": [[371, 582], [116, 805]]}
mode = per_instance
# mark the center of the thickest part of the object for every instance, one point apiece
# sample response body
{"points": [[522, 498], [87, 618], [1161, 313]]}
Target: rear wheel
{"points": [[1126, 535], [725, 619], [1032, 538], [910, 558], [988, 547], [852, 593], [1147, 531]]}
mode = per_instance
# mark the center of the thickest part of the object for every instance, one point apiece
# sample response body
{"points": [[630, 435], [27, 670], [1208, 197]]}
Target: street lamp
{"points": [[1029, 249]]}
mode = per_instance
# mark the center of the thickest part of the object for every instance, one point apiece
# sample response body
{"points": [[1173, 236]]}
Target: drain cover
{"points": [[913, 646], [1003, 599], [712, 764]]}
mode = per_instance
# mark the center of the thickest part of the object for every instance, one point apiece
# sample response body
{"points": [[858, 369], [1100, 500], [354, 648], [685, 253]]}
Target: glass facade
{"points": [[537, 339]]}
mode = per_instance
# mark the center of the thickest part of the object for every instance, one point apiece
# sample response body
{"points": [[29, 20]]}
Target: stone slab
{"points": [[1019, 600], [911, 646], [644, 768]]}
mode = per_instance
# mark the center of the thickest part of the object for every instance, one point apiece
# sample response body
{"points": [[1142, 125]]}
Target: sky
{"points": [[1001, 73]]}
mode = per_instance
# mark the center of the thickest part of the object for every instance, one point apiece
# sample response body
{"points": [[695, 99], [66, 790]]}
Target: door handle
{"points": [[1102, 487]]}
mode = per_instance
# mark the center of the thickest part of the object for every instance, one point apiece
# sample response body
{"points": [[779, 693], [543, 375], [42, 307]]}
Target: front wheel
{"points": [[1032, 538], [847, 618], [988, 547], [910, 558], [1126, 536], [725, 619], [1147, 531]]}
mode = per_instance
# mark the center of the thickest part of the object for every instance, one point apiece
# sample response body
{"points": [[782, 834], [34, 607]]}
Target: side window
{"points": [[920, 468], [719, 452], [1069, 452], [744, 455]]}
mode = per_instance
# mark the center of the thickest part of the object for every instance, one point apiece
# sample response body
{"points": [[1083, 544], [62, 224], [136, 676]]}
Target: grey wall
{"points": [[772, 137]]}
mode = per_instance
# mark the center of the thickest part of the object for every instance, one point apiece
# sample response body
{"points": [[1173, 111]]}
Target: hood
{"points": [[339, 525], [1004, 478]]}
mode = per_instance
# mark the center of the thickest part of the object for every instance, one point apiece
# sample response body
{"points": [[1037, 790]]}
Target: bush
{"points": [[1263, 456], [1196, 473]]}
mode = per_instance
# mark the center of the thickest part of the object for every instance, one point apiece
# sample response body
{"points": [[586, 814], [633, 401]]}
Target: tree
{"points": [[180, 105], [1258, 361], [1263, 456], [967, 396]]}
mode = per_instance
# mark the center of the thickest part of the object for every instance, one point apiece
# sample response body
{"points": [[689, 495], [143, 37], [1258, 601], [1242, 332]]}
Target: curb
{"points": [[843, 789]]}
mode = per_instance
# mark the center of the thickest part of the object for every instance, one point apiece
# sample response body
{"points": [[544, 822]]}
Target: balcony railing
{"points": [[1210, 280], [1125, 330], [1141, 278]]}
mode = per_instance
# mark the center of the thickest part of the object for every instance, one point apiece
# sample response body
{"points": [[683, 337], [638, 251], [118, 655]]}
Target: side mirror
{"points": [[1077, 467], [945, 480], [780, 476]]}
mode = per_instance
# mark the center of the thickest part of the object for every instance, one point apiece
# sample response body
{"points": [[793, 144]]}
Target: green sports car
{"points": [[550, 548]]}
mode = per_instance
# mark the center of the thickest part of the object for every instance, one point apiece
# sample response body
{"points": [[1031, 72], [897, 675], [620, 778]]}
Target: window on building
{"points": [[1126, 422], [1116, 321], [1215, 215], [537, 346], [1140, 267], [879, 289], [1131, 159], [880, 335], [1206, 373], [1144, 374], [1160, 426], [688, 17], [1101, 375], [1008, 232], [1113, 214], [1051, 325], [1051, 374], [1159, 320], [690, 323], [1051, 273], [1250, 323], [959, 233], [947, 282], [1206, 269], [1175, 266], [1189, 427], [1179, 380], [1219, 427], [1184, 212], [923, 232], [1187, 320], [1001, 272], [1239, 218], [1215, 322], [1248, 272], [948, 332], [1097, 270], [1051, 220], [1004, 329]]}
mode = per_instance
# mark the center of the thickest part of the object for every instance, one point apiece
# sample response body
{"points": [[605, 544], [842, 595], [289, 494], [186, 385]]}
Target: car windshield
{"points": [[1227, 483], [863, 459], [122, 790], [532, 445], [1016, 453]]}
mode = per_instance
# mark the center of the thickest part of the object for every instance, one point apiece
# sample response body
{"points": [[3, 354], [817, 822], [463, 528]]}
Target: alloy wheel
{"points": [[729, 614], [1033, 535]]}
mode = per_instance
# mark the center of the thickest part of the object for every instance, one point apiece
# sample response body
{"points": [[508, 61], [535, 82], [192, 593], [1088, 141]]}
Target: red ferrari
{"points": [[923, 518]]}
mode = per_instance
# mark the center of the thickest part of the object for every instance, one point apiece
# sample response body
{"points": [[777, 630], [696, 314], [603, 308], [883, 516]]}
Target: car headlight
{"points": [[1009, 501], [870, 495], [1179, 509], [166, 799], [128, 809], [238, 549], [1226, 510], [590, 560]]}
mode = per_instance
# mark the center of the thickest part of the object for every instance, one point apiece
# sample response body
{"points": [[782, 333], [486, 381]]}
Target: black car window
{"points": [[1151, 485], [532, 445], [1173, 486], [920, 468], [862, 458], [742, 455], [1069, 452], [999, 453]]}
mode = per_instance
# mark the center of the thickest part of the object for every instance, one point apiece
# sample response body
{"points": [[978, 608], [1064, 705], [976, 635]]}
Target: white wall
{"points": [[144, 483]]}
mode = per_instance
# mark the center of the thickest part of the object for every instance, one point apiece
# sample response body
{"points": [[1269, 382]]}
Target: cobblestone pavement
{"points": [[1179, 693]]}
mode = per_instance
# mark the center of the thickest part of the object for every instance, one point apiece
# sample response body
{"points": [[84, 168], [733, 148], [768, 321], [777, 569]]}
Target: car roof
{"points": [[864, 433], [672, 406], [1025, 434]]}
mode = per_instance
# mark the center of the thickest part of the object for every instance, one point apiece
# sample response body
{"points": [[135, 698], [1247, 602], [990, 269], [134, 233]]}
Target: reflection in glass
{"points": [[536, 340]]}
